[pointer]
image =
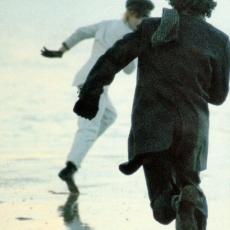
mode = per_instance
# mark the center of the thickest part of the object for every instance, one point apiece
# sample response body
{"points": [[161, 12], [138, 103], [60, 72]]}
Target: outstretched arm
{"points": [[80, 34]]}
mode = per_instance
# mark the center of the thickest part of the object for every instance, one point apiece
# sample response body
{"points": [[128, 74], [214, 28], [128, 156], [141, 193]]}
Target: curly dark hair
{"points": [[195, 7]]}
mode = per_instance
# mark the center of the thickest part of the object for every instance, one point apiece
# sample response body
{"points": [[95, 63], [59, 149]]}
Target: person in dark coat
{"points": [[183, 65]]}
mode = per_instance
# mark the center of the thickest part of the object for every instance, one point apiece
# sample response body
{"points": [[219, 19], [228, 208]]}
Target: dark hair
{"points": [[195, 7]]}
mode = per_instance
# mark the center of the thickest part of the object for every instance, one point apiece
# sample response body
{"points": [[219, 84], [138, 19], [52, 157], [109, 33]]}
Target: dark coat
{"points": [[175, 82]]}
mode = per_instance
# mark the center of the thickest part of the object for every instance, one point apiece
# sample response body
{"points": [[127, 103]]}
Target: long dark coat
{"points": [[175, 82]]}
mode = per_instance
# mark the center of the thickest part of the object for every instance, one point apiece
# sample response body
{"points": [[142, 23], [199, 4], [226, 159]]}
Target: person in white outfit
{"points": [[105, 34]]}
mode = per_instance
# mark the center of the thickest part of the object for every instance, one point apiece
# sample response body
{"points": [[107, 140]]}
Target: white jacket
{"points": [[105, 33]]}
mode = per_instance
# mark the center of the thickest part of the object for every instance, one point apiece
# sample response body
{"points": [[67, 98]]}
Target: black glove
{"points": [[51, 53], [85, 109]]}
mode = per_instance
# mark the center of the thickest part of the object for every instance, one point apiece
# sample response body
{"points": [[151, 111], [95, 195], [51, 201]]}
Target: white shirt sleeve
{"points": [[80, 34]]}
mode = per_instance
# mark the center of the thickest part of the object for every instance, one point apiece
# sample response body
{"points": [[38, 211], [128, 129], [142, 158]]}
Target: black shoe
{"points": [[185, 218], [67, 175]]}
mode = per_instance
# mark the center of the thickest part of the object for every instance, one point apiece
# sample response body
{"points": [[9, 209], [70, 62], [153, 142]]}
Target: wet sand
{"points": [[34, 149], [36, 134], [35, 198]]}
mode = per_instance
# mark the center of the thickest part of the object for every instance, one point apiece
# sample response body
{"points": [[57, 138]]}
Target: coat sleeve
{"points": [[108, 65], [219, 88], [82, 33]]}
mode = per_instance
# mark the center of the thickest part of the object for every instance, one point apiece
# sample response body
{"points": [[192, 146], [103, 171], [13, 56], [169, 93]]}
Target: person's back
{"points": [[180, 78], [188, 62]]}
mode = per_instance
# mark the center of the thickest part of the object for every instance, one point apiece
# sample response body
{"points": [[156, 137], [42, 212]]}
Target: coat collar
{"points": [[168, 30]]}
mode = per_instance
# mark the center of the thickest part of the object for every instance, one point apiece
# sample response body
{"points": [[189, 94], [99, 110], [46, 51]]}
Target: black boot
{"points": [[185, 217], [67, 175]]}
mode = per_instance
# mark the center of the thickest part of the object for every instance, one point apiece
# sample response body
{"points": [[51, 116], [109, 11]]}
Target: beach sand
{"points": [[35, 140]]}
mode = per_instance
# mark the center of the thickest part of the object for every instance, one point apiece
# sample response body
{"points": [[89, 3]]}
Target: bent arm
{"points": [[219, 88]]}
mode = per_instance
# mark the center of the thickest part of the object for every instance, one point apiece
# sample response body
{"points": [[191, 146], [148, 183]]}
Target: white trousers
{"points": [[89, 130]]}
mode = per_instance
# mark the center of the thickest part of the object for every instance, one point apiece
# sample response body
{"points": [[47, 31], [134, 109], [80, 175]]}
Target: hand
{"points": [[51, 53], [85, 109]]}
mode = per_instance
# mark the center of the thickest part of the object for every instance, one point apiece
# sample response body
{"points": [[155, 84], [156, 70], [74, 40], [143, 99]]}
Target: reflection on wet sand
{"points": [[70, 213]]}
